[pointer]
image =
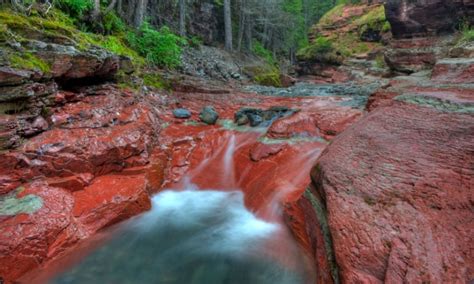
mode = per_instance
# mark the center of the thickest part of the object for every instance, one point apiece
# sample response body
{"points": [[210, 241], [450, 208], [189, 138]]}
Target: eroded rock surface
{"points": [[397, 189], [85, 167]]}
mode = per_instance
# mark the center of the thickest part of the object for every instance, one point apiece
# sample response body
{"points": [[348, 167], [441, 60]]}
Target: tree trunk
{"points": [[227, 25], [182, 17], [140, 12], [242, 18], [96, 10]]}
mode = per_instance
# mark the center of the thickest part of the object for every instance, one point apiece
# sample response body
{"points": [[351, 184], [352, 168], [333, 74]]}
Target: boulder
{"points": [[69, 63], [395, 192], [181, 113], [420, 18], [209, 115]]}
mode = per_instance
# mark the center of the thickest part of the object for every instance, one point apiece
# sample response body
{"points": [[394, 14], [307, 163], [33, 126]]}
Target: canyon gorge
{"points": [[355, 170]]}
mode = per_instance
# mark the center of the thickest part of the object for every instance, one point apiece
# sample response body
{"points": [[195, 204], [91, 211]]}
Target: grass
{"points": [[467, 35]]}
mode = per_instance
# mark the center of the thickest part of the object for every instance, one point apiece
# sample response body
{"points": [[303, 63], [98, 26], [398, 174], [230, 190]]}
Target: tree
{"points": [[228, 25], [182, 17], [140, 12]]}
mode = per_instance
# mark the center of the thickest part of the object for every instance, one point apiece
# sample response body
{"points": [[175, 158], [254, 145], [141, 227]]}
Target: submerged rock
{"points": [[258, 117], [209, 115], [181, 113]]}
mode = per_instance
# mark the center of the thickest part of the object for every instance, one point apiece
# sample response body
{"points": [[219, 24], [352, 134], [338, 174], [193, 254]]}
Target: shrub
{"points": [[259, 50], [75, 8], [159, 47], [113, 24], [467, 35], [319, 47]]}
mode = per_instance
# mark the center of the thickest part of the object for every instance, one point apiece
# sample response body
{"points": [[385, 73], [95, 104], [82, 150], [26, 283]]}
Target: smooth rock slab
{"points": [[397, 188]]}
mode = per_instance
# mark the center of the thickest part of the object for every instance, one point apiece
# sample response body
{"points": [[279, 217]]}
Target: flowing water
{"points": [[190, 236], [196, 235]]}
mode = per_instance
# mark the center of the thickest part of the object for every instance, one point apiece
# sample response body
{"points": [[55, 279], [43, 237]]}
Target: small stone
{"points": [[254, 119], [181, 113], [209, 115]]}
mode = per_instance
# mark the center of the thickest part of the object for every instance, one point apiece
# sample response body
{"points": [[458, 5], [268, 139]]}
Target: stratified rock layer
{"points": [[397, 188]]}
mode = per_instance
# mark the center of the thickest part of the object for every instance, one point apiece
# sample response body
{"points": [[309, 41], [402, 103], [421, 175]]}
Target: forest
{"points": [[158, 29]]}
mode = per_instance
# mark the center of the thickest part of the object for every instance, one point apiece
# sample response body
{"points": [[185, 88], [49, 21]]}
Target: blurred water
{"points": [[193, 236]]}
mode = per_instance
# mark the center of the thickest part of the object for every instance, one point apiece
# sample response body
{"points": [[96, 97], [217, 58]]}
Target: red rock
{"points": [[381, 98], [453, 71], [25, 239], [397, 189], [96, 166], [110, 199], [262, 151]]}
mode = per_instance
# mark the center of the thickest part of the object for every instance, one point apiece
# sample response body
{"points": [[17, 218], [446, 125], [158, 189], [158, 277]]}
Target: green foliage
{"points": [[160, 47], [195, 41], [28, 61], [113, 24], [259, 50], [468, 35], [269, 78], [75, 8], [117, 45], [374, 20], [320, 47]]}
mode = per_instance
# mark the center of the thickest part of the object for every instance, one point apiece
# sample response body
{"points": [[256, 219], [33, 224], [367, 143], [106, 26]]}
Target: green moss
{"points": [[29, 61], [271, 78], [117, 45], [11, 205], [155, 80], [329, 17], [374, 19]]}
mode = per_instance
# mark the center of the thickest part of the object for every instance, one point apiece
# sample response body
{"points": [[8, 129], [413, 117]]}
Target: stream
{"points": [[220, 217]]}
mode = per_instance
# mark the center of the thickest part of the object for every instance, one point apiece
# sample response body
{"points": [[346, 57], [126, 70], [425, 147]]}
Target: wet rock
{"points": [[111, 199], [91, 170], [181, 113], [258, 117], [209, 115], [402, 193], [254, 119]]}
